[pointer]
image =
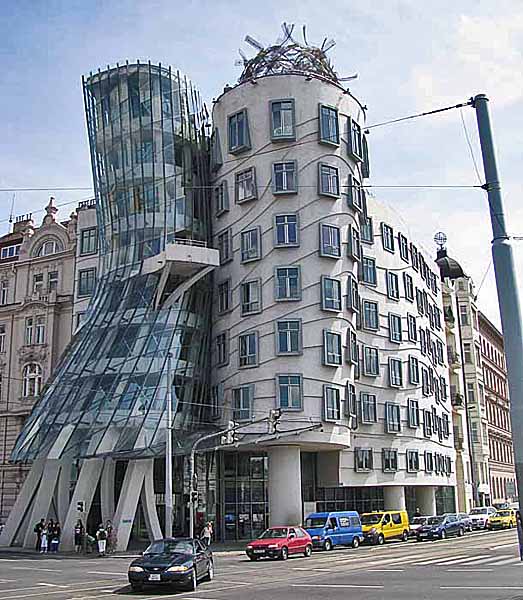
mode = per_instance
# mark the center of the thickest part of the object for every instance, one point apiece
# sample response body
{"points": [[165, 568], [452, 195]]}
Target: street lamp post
{"points": [[169, 454]]}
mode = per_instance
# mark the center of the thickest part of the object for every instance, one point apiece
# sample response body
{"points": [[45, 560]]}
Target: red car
{"points": [[280, 542]]}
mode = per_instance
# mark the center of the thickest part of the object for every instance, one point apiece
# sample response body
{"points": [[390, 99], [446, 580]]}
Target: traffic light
{"points": [[230, 434], [80, 506], [194, 496], [274, 419]]}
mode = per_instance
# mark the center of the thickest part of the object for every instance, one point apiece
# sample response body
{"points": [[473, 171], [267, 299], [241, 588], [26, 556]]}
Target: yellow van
{"points": [[381, 526]]}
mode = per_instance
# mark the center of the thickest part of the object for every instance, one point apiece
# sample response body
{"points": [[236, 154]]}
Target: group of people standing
{"points": [[47, 536]]}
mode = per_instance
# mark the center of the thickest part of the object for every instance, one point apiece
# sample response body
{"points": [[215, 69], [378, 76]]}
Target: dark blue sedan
{"points": [[441, 527]]}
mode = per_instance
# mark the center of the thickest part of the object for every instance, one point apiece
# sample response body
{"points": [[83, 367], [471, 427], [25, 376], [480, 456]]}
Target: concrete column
{"points": [[426, 499], [285, 504], [394, 497], [149, 506], [107, 489], [63, 488]]}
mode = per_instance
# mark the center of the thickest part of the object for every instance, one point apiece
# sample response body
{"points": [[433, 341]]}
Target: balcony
{"points": [[454, 359], [457, 400]]}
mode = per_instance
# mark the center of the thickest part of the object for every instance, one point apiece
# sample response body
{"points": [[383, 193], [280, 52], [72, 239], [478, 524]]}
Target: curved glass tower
{"points": [[146, 129]]}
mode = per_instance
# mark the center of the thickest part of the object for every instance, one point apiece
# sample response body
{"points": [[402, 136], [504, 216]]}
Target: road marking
{"points": [[312, 569], [384, 570], [503, 546], [462, 561], [506, 561], [481, 587], [469, 570], [38, 569], [434, 560], [106, 573], [54, 585], [337, 585], [99, 588]]}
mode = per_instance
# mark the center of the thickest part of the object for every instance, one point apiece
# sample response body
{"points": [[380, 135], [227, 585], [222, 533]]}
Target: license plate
{"points": [[259, 552], [155, 577]]}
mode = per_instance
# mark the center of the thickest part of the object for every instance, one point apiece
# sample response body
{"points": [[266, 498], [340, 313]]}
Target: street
{"points": [[482, 565]]}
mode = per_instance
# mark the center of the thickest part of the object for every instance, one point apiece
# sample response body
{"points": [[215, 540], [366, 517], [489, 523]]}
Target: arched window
{"points": [[32, 378], [49, 247]]}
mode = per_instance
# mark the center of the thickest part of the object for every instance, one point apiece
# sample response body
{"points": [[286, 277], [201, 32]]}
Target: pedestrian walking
{"points": [[101, 538], [39, 528], [55, 537], [44, 539], [206, 535], [79, 533], [417, 513]]}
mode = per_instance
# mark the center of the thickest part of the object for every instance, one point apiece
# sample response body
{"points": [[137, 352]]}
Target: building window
{"points": [[412, 461], [425, 382], [363, 460], [367, 231], [2, 338], [404, 247], [370, 315], [243, 398], [427, 423], [239, 138], [52, 281], [222, 349], [221, 198], [371, 361], [282, 120], [251, 297], [10, 251], [332, 348], [290, 392], [38, 283], [245, 185], [463, 314], [286, 227], [413, 413], [248, 349], [395, 334], [251, 245], [467, 351], [330, 294], [284, 178], [40, 330], [395, 372], [216, 150], [331, 403], [288, 337], [224, 296], [409, 287], [354, 243], [368, 270], [4, 292], [413, 370], [49, 247], [353, 295], [412, 328], [330, 243], [86, 282], [351, 407], [389, 458], [355, 194], [354, 145], [387, 237], [393, 291], [471, 393], [88, 241], [225, 246], [32, 380], [329, 125], [329, 181], [29, 331], [352, 347], [429, 462], [288, 283], [368, 408], [392, 417]]}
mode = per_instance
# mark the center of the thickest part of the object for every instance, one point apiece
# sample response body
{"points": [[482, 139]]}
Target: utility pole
{"points": [[508, 296], [169, 454]]}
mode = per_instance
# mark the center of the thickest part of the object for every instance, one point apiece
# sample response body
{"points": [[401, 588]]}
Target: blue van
{"points": [[329, 529]]}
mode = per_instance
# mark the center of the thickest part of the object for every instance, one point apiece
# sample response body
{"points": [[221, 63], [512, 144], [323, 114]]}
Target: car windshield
{"points": [[478, 511], [371, 519], [274, 533], [504, 513], [313, 522], [435, 520], [418, 520], [170, 547]]}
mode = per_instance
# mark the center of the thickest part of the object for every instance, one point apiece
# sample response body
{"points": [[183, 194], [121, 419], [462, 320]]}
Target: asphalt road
{"points": [[478, 566]]}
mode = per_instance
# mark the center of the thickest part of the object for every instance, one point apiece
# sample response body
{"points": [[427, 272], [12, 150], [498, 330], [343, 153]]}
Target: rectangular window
{"points": [[366, 230], [395, 372], [363, 460], [225, 246], [216, 151], [330, 294], [370, 315], [471, 393], [245, 185], [290, 392], [284, 178], [282, 120], [286, 228], [368, 408], [239, 138], [10, 251], [52, 280], [353, 294], [467, 351], [393, 290], [222, 349], [329, 125], [425, 382], [251, 297], [354, 243], [331, 403], [463, 314], [409, 287], [2, 338], [389, 459], [243, 398], [412, 328], [387, 237], [4, 292], [40, 330], [413, 370], [412, 461], [351, 408], [330, 241], [355, 195], [86, 282], [221, 198], [251, 245], [427, 423], [329, 181], [414, 257], [38, 283], [287, 283], [429, 462], [352, 347], [29, 331], [224, 296], [371, 361], [392, 417], [419, 302], [332, 348], [368, 270], [288, 337], [404, 247], [248, 349], [354, 146], [88, 240], [395, 334], [413, 413]]}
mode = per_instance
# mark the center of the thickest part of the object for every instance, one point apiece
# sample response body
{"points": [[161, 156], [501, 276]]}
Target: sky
{"points": [[410, 57]]}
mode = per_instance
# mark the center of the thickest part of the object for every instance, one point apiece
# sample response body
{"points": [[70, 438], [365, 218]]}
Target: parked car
{"points": [[329, 529], [480, 516], [465, 519], [381, 526], [280, 542], [440, 527], [416, 523], [502, 519], [179, 562]]}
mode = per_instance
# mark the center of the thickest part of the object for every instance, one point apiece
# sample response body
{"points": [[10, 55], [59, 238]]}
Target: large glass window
{"points": [[86, 282], [248, 349], [250, 292], [251, 244], [290, 393], [245, 187], [243, 398], [330, 293], [330, 242], [332, 348], [331, 403], [284, 177], [329, 125], [286, 227], [287, 283], [288, 337], [89, 240], [239, 139], [329, 181], [282, 120]]}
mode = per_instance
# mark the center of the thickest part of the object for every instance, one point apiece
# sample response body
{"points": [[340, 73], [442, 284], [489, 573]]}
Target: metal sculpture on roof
{"points": [[288, 56]]}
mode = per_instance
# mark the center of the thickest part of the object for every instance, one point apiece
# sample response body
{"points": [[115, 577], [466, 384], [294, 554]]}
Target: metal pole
{"points": [[169, 454], [191, 487], [508, 296]]}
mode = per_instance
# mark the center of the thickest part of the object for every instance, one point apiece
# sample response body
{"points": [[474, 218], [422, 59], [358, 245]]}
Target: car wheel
{"points": [[136, 587], [308, 551], [327, 546], [254, 557], [405, 536], [191, 586], [210, 572], [443, 535], [461, 532], [284, 554], [381, 539], [355, 541]]}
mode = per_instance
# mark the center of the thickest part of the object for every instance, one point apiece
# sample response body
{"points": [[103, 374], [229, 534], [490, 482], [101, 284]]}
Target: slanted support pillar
{"points": [[285, 503], [107, 489], [394, 497]]}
